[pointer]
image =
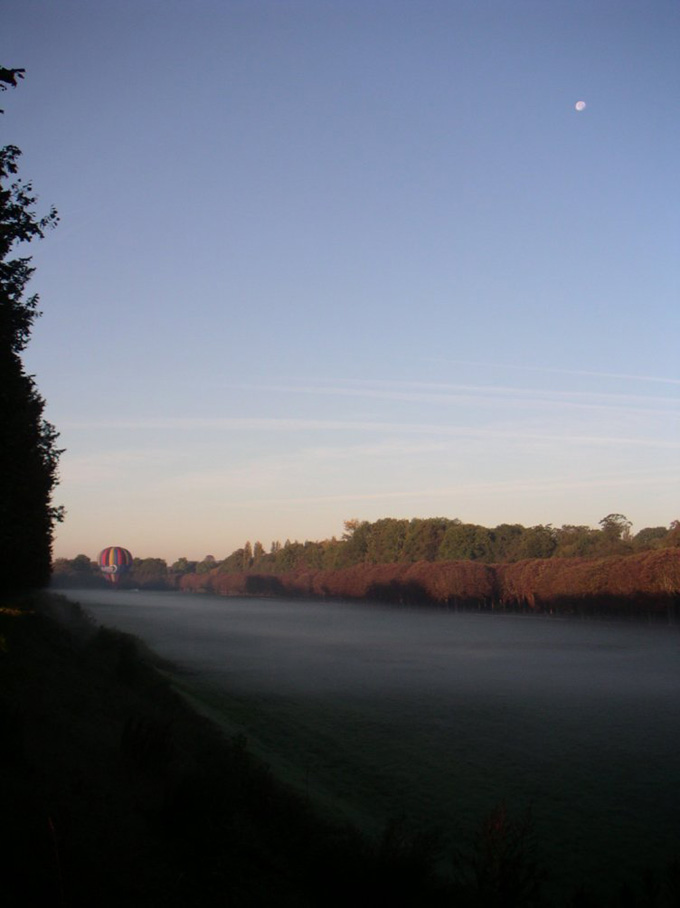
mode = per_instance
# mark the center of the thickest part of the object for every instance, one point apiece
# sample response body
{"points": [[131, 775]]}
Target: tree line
{"points": [[389, 541], [403, 541]]}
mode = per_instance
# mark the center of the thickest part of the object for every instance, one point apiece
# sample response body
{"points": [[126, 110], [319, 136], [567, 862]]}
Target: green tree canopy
{"points": [[536, 542], [616, 527], [183, 566], [466, 541]]}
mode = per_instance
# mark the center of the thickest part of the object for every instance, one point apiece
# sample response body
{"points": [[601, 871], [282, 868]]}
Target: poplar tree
{"points": [[28, 453]]}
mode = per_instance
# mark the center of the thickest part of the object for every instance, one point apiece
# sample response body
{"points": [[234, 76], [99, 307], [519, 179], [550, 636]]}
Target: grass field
{"points": [[114, 791]]}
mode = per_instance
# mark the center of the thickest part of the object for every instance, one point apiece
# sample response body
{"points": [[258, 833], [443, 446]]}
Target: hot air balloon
{"points": [[114, 561]]}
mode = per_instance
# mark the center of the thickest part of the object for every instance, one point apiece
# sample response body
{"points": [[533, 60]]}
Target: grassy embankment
{"points": [[114, 792]]}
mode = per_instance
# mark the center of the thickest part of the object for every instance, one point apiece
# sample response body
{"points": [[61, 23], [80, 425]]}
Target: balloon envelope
{"points": [[114, 561]]}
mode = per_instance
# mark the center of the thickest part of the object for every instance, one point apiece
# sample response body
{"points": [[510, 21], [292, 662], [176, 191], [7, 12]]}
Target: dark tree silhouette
{"points": [[28, 452]]}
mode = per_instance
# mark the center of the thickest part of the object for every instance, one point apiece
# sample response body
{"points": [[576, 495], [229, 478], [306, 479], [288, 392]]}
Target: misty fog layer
{"points": [[379, 711]]}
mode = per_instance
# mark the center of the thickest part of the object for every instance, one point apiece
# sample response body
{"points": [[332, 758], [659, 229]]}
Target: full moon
{"points": [[580, 105]]}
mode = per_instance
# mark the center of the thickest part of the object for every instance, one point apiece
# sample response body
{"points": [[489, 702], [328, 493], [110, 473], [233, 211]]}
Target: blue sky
{"points": [[320, 260]]}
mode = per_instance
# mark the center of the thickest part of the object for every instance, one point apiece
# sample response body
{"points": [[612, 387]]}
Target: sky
{"points": [[333, 259]]}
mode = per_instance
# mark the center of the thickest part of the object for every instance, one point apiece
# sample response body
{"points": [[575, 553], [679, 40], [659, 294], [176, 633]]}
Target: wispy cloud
{"points": [[284, 424], [625, 376], [480, 489], [487, 396]]}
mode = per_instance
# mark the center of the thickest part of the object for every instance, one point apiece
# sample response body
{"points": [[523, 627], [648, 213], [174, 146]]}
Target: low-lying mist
{"points": [[377, 711]]}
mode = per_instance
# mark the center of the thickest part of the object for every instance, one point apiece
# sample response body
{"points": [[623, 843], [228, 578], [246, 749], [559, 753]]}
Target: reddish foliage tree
{"points": [[649, 581]]}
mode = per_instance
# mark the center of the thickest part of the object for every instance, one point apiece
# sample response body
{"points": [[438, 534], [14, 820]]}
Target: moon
{"points": [[580, 105]]}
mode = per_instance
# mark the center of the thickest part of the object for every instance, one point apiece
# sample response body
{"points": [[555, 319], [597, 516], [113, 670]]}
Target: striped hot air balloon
{"points": [[114, 561]]}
